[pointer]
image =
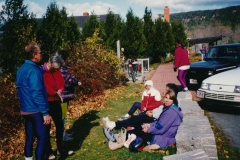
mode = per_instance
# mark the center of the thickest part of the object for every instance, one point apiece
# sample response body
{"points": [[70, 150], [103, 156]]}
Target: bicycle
{"points": [[132, 70]]}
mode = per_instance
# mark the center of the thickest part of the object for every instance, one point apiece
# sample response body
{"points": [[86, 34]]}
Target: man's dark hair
{"points": [[174, 87]]}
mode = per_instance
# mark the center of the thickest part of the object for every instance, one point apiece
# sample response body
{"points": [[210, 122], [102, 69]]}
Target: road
{"points": [[228, 119]]}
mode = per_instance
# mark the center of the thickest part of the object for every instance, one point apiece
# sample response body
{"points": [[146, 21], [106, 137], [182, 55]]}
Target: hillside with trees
{"points": [[208, 23]]}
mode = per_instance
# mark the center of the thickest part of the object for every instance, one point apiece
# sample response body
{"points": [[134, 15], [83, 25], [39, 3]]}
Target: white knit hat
{"points": [[149, 82]]}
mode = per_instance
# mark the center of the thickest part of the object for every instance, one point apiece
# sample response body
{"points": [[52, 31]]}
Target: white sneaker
{"points": [[122, 118], [104, 120], [52, 156], [110, 124], [131, 137]]}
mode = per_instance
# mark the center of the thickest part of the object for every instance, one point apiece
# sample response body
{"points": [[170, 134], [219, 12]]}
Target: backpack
{"points": [[136, 145]]}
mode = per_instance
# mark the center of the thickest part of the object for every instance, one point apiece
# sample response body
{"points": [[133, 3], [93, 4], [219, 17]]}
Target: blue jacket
{"points": [[31, 90], [165, 128]]}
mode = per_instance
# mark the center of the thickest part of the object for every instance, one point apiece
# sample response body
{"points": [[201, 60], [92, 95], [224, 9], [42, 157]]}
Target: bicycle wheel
{"points": [[130, 70], [134, 76]]}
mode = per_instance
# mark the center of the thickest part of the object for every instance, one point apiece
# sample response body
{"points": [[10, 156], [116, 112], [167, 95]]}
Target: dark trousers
{"points": [[135, 106], [135, 121], [55, 110], [34, 128], [147, 137]]}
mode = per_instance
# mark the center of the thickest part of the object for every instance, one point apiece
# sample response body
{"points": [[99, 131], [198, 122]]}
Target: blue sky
{"points": [[77, 7]]}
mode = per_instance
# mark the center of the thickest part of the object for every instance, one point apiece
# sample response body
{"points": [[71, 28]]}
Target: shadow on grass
{"points": [[81, 129]]}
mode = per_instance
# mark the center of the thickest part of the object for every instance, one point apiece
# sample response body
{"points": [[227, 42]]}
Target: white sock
{"points": [[28, 158], [126, 115], [186, 88]]}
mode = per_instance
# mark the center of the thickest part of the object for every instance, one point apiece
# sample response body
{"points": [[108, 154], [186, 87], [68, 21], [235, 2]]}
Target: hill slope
{"points": [[208, 23]]}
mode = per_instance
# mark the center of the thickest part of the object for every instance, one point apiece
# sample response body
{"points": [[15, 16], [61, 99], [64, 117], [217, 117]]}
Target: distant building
{"points": [[81, 19], [166, 14]]}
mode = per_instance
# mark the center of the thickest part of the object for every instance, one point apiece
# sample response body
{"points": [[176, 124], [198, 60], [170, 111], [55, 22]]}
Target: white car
{"points": [[222, 88]]}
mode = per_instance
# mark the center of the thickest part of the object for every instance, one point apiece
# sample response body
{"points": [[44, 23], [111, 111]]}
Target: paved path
{"points": [[164, 74]]}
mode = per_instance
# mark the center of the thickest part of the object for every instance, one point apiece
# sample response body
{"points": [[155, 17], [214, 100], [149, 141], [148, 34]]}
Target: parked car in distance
{"points": [[222, 88], [218, 59]]}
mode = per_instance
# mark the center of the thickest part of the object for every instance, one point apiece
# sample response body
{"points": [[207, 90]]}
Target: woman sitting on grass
{"points": [[162, 132], [135, 122]]}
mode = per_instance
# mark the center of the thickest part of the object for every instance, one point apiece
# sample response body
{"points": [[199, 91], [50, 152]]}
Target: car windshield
{"points": [[225, 52]]}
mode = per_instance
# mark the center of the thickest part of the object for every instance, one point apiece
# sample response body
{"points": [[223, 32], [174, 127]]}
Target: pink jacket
{"points": [[181, 57]]}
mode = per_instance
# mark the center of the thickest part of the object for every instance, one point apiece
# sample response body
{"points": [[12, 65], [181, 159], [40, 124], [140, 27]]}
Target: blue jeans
{"points": [[135, 106], [34, 128]]}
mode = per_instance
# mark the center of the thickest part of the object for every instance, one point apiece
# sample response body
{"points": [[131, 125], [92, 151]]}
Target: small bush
{"points": [[11, 122], [167, 59], [96, 67], [194, 57]]}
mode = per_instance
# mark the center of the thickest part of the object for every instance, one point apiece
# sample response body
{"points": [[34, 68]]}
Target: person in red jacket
{"points": [[181, 63], [54, 83], [151, 99]]}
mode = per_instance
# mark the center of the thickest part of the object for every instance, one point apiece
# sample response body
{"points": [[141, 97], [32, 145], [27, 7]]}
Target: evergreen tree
{"points": [[89, 26], [73, 32], [133, 37], [19, 28], [53, 33], [102, 33], [179, 32], [169, 43], [148, 32], [109, 28], [110, 24], [163, 40], [116, 35], [158, 41]]}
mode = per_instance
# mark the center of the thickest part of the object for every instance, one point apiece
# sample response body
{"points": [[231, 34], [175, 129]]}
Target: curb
{"points": [[195, 134]]}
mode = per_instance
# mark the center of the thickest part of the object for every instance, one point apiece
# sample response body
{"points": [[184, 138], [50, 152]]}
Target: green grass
{"points": [[154, 65], [89, 142], [224, 148]]}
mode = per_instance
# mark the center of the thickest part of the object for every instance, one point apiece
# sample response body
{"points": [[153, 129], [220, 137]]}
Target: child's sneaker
{"points": [[110, 124], [151, 147], [131, 137], [122, 118], [108, 133], [114, 145], [52, 156], [104, 120]]}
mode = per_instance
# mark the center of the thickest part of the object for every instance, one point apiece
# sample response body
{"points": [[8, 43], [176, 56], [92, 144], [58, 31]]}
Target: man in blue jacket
{"points": [[33, 102]]}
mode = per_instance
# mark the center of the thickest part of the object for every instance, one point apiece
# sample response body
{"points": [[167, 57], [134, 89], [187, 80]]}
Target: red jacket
{"points": [[151, 100], [181, 57], [53, 82]]}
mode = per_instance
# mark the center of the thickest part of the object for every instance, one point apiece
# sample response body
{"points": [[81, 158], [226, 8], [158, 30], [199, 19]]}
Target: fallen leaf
{"points": [[167, 152]]}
